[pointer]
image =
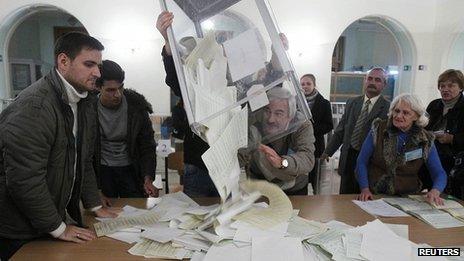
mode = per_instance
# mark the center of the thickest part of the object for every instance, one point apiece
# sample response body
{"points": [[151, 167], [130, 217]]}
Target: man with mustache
{"points": [[281, 144], [354, 125], [47, 140]]}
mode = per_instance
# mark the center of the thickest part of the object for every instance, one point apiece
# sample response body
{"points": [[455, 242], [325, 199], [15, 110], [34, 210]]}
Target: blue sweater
{"points": [[433, 163]]}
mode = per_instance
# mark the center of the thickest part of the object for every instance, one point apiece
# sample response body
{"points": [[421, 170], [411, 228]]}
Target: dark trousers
{"points": [[300, 192], [348, 183], [313, 176], [198, 183], [9, 246], [120, 182]]}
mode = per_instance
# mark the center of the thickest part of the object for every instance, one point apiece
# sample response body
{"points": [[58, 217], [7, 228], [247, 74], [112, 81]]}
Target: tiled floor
{"points": [[330, 180]]}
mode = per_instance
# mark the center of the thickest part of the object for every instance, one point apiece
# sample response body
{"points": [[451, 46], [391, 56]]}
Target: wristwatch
{"points": [[284, 164]]}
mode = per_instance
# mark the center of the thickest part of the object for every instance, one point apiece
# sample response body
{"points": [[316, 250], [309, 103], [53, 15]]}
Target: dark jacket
{"points": [[37, 178], [322, 122], [194, 146], [345, 128], [140, 139], [454, 125]]}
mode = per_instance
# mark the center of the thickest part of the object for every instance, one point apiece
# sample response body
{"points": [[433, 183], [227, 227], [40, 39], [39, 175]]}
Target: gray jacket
{"points": [[298, 148], [345, 128], [38, 183]]}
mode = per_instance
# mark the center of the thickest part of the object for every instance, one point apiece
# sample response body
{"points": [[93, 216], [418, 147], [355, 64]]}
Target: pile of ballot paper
{"points": [[177, 228]]}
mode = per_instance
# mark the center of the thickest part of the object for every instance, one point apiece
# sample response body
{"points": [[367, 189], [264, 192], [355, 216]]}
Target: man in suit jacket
{"points": [[354, 126]]}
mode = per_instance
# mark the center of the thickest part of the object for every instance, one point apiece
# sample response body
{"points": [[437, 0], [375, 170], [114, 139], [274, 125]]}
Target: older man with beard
{"points": [[354, 126], [284, 144]]}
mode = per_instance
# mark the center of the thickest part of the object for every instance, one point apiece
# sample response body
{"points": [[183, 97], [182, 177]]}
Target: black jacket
{"points": [[38, 183], [322, 122], [194, 146], [140, 137], [454, 125]]}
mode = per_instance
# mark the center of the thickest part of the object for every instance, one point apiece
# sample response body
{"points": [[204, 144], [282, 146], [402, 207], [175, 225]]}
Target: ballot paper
{"points": [[280, 208], [127, 237], [228, 252], [303, 228], [221, 158], [456, 212], [246, 232], [112, 226], [276, 248], [244, 54], [259, 98], [192, 241], [407, 204], [379, 208], [437, 218], [338, 225], [152, 249], [161, 233], [447, 203], [352, 242], [399, 229], [330, 241], [382, 246]]}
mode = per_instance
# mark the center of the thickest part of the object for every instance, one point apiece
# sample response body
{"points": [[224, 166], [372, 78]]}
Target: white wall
{"points": [[127, 30]]}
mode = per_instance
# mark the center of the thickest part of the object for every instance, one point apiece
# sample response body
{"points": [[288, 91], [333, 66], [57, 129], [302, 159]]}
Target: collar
{"points": [[373, 99], [73, 95]]}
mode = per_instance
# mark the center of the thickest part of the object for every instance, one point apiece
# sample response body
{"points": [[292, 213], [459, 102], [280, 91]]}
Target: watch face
{"points": [[284, 163]]}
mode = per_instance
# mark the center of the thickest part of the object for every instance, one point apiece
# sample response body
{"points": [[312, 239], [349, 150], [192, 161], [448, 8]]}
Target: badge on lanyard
{"points": [[413, 154]]}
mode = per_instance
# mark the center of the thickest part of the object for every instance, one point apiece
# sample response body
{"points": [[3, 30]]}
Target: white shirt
{"points": [[373, 101]]}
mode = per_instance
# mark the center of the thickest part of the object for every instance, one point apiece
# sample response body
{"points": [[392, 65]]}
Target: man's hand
{"points": [[106, 202], [445, 138], [162, 23], [149, 188], [77, 234], [365, 195], [325, 157], [433, 197], [108, 212], [272, 156]]}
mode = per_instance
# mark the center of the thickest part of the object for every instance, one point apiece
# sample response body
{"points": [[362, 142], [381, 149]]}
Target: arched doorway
{"points": [[27, 39], [372, 41], [456, 53]]}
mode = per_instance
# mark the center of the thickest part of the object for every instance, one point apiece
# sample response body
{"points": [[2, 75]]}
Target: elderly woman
{"points": [[447, 118], [394, 151]]}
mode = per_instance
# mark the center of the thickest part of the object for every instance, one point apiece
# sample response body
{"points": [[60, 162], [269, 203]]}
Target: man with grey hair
{"points": [[283, 144], [354, 125]]}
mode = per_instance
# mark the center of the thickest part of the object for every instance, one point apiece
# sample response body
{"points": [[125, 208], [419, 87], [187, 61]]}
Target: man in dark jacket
{"points": [[355, 124], [125, 149], [322, 120], [47, 137], [197, 182]]}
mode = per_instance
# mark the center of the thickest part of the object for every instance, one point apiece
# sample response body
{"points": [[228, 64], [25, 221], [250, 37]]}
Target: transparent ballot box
{"points": [[230, 56]]}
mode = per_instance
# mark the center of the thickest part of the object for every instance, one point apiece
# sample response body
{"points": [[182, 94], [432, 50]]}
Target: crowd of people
{"points": [[78, 135]]}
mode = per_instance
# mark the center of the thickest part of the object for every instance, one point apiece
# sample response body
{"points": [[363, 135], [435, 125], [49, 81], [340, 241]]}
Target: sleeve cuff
{"points": [[96, 208], [60, 230]]}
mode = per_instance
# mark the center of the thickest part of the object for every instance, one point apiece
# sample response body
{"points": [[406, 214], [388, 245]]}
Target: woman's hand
{"points": [[433, 197], [365, 195], [445, 138]]}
